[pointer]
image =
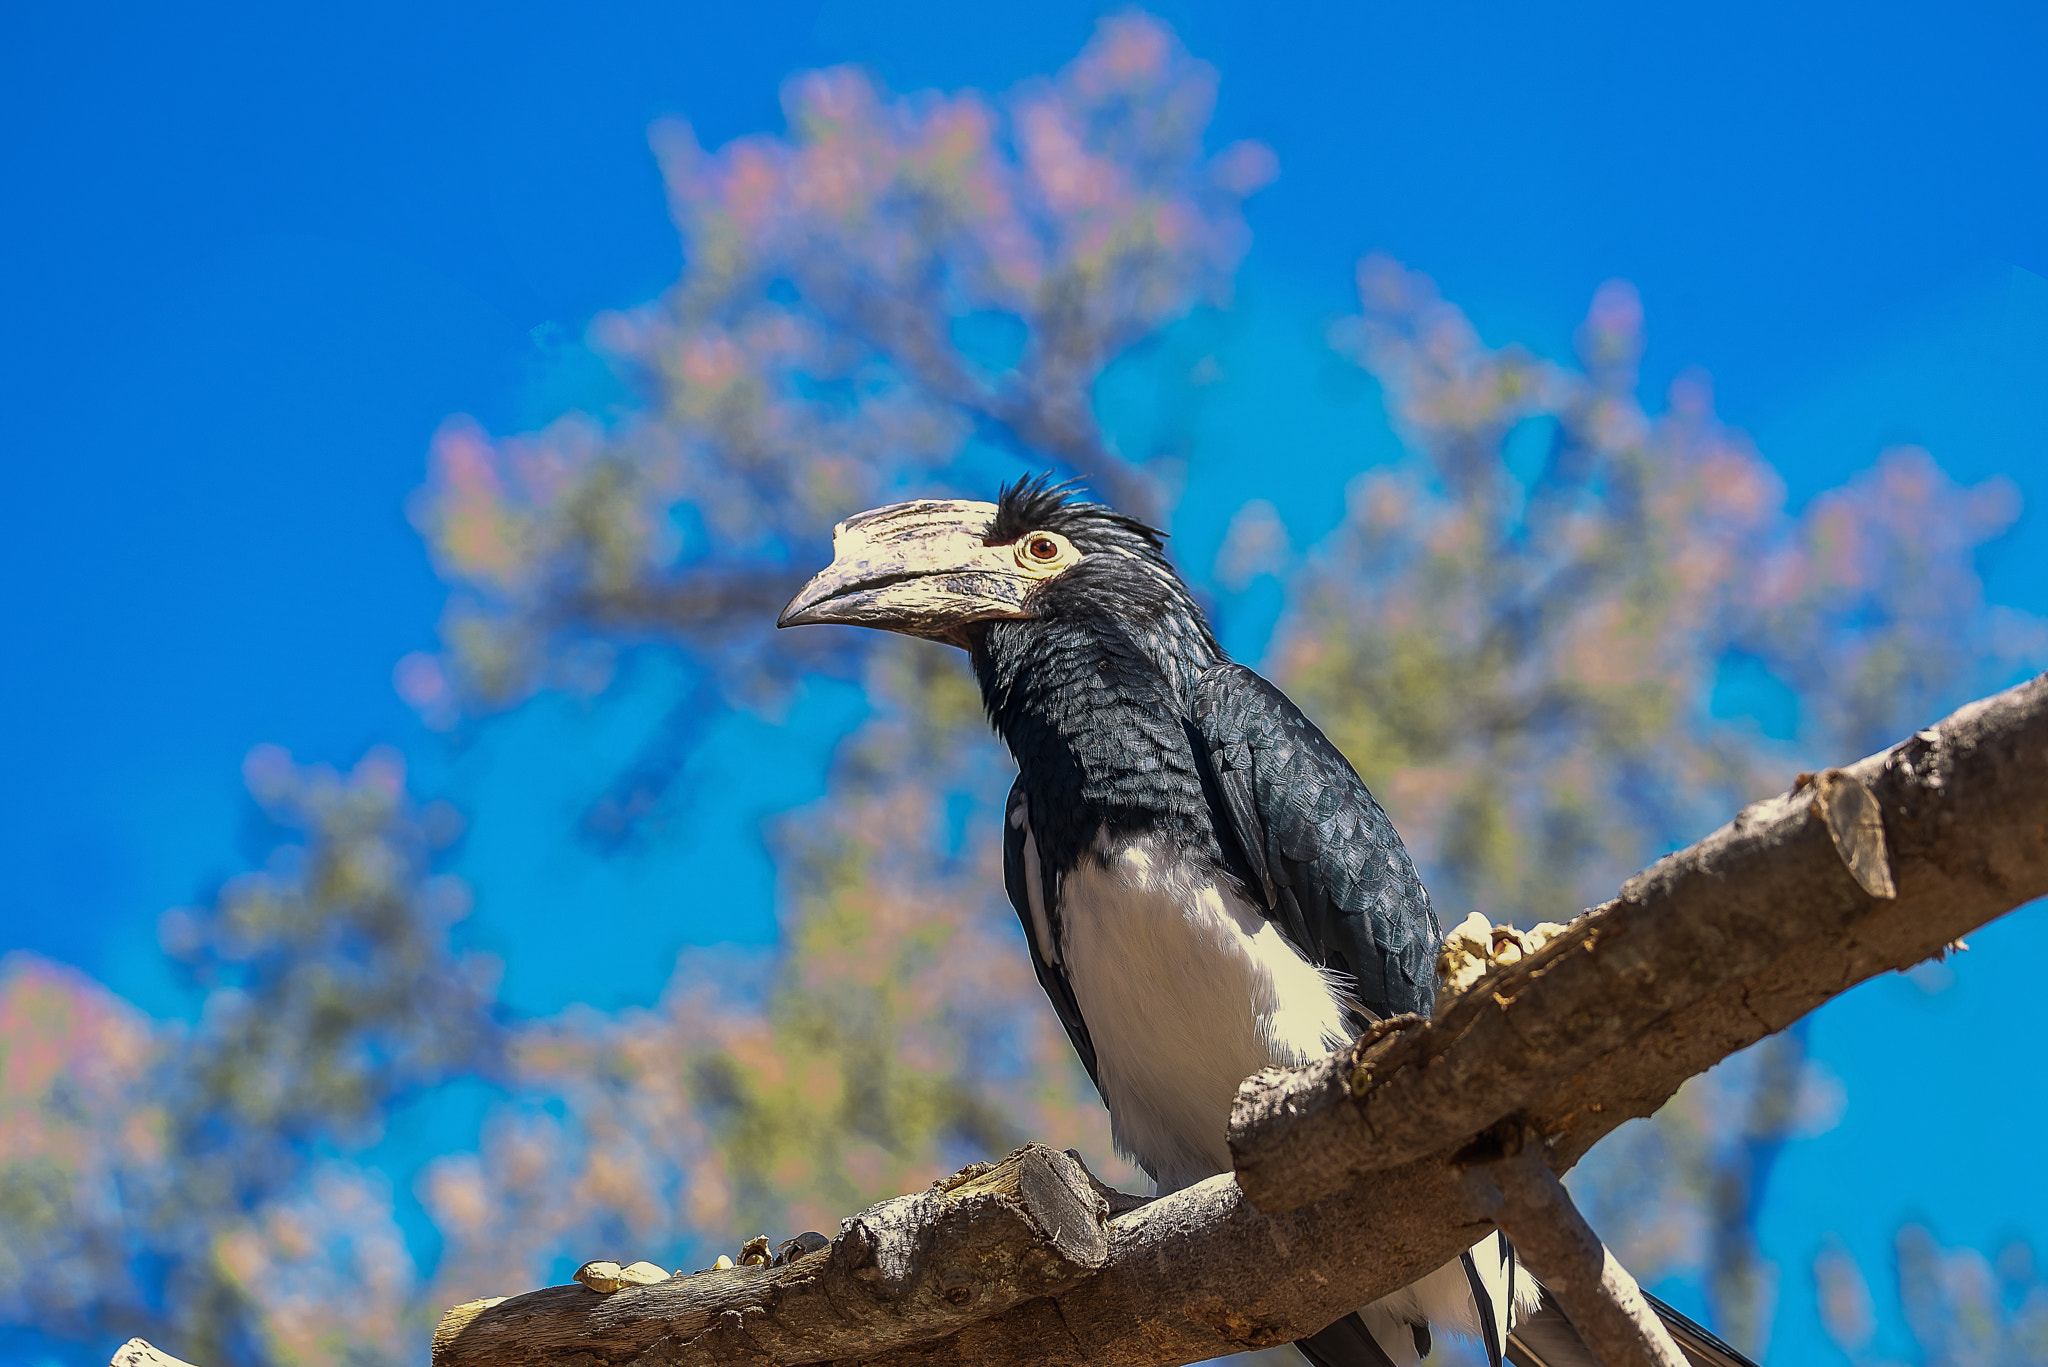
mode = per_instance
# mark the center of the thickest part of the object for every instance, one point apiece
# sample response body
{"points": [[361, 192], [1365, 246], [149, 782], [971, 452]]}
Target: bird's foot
{"points": [[810, 1241], [1475, 947]]}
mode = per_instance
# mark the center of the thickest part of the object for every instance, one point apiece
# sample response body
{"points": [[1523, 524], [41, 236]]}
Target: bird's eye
{"points": [[1043, 554]]}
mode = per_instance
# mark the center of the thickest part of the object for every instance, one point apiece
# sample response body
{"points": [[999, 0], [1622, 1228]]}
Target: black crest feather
{"points": [[1038, 503]]}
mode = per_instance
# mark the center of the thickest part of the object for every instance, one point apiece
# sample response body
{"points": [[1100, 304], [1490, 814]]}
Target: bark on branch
{"points": [[1556, 1244], [1356, 1174], [980, 1243], [139, 1353]]}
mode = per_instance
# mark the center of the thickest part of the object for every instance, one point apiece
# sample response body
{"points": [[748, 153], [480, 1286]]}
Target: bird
{"points": [[1206, 886]]}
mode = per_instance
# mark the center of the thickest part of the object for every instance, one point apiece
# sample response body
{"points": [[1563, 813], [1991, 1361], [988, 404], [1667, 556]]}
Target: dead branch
{"points": [[1355, 1175], [139, 1353], [1555, 1243], [981, 1242]]}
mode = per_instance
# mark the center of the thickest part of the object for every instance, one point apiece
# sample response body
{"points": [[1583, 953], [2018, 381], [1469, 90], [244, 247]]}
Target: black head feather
{"points": [[1038, 504], [1124, 584]]}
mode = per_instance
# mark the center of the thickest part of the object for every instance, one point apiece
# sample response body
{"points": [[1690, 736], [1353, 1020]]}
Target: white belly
{"points": [[1187, 991]]}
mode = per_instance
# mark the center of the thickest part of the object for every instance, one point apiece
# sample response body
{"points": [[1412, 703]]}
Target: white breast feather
{"points": [[1187, 990]]}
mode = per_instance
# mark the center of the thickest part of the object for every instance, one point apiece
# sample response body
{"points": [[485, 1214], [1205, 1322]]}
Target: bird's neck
{"points": [[1096, 719]]}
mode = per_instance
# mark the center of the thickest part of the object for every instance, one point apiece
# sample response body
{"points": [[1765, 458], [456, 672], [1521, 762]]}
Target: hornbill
{"points": [[1205, 884]]}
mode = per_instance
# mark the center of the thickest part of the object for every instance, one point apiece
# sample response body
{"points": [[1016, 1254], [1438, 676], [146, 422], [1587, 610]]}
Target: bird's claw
{"points": [[753, 1253], [810, 1241], [605, 1276], [1475, 947]]}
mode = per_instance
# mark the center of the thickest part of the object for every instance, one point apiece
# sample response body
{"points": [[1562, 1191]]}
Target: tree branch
{"points": [[1354, 1174], [139, 1353], [977, 1244], [1560, 1249]]}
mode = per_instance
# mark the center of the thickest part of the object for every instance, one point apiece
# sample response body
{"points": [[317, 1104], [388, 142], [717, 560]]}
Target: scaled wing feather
{"points": [[1328, 863]]}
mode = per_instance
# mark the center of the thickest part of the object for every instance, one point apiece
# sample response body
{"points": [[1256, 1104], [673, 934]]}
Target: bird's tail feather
{"points": [[1547, 1339], [1348, 1343], [1544, 1338], [1475, 1295]]}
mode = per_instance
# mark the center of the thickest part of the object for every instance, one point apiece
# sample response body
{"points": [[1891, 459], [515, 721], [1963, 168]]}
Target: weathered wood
{"points": [[1701, 955], [1203, 1272], [1555, 1243], [1353, 1172], [140, 1353], [978, 1243]]}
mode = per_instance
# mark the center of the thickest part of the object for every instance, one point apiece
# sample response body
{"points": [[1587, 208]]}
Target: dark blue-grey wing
{"points": [[1335, 876], [1034, 893]]}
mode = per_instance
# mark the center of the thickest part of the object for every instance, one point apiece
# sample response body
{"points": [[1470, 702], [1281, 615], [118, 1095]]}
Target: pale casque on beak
{"points": [[925, 569]]}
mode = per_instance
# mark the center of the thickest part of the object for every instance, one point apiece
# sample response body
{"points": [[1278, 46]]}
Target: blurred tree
{"points": [[189, 1183], [332, 991], [893, 280], [1962, 1309], [1537, 638], [80, 1136], [863, 297], [1520, 636], [1517, 636]]}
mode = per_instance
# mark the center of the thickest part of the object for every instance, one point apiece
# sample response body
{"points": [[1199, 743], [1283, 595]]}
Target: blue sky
{"points": [[252, 257]]}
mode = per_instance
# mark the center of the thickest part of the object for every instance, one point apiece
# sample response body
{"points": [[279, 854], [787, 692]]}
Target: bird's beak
{"points": [[919, 568]]}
